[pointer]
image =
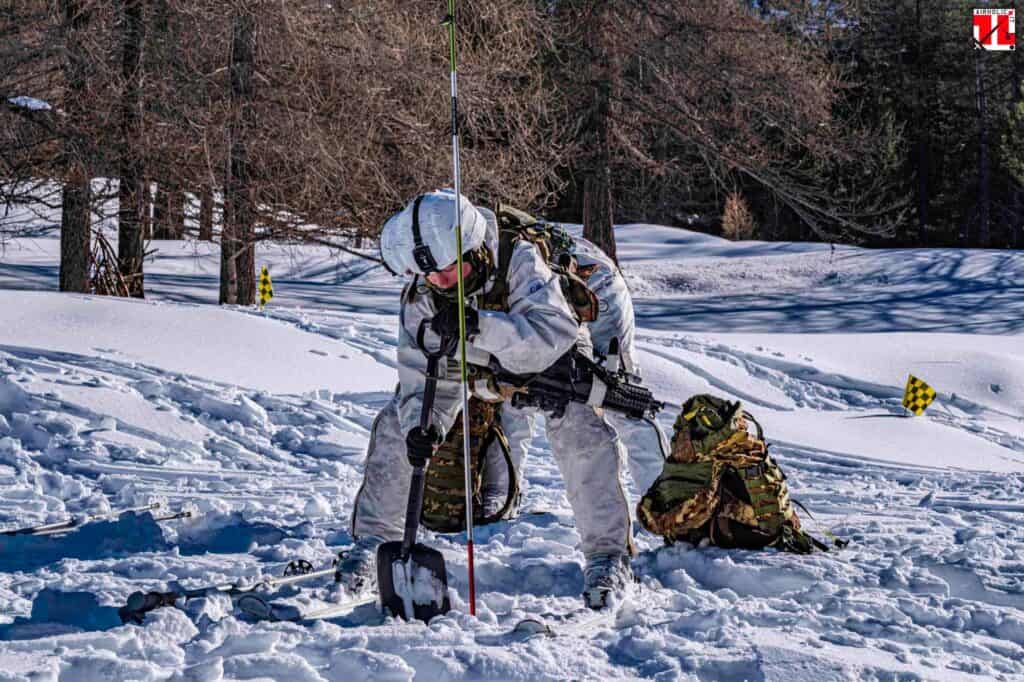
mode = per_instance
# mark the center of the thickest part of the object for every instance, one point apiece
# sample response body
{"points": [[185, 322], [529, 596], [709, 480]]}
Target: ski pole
{"points": [[77, 521], [58, 529], [450, 21]]}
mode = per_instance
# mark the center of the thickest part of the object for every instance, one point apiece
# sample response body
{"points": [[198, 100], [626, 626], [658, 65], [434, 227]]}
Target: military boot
{"points": [[357, 567], [605, 575]]}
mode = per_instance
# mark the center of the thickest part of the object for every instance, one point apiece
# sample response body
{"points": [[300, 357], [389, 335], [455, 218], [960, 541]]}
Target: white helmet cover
{"points": [[420, 238]]}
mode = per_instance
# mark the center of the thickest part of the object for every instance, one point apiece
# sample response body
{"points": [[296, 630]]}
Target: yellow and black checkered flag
{"points": [[918, 396], [266, 288]]}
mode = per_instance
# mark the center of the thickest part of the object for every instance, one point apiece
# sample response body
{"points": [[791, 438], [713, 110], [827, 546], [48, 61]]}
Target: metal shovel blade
{"points": [[418, 583]]}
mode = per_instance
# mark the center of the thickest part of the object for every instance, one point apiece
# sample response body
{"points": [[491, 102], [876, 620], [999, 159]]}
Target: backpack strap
{"points": [[838, 542], [409, 293], [515, 225], [498, 434], [757, 424], [497, 297]]}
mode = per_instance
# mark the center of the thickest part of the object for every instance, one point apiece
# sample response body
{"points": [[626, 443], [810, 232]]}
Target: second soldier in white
{"points": [[645, 444]]}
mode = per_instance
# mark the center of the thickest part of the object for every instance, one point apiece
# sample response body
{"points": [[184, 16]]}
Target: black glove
{"points": [[446, 322], [420, 444]]}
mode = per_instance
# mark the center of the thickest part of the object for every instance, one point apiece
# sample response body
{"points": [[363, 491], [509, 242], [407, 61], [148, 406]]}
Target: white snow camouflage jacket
{"points": [[537, 330], [615, 318]]}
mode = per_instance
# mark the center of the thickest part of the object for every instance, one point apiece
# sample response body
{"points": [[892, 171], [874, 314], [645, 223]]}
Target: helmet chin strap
{"points": [[421, 252]]}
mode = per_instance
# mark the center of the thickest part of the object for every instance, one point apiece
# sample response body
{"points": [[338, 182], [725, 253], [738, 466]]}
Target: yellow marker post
{"points": [[266, 288], [918, 395]]}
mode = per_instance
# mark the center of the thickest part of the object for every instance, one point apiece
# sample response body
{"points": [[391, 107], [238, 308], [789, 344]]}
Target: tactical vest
{"points": [[444, 498], [720, 483]]}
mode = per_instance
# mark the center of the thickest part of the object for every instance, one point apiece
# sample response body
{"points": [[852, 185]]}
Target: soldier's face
{"points": [[448, 278]]}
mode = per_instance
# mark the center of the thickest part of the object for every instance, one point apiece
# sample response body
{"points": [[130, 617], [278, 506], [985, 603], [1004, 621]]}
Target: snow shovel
{"points": [[411, 577]]}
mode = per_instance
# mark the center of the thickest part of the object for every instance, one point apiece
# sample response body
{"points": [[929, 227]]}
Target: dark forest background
{"points": [[871, 122]]}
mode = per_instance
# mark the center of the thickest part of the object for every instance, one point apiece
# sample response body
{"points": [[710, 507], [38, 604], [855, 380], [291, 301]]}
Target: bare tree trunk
{"points": [[168, 212], [247, 283], [1017, 228], [176, 212], [238, 275], [130, 193], [147, 209], [77, 192], [206, 213], [75, 226], [159, 212], [984, 171], [921, 133], [597, 211], [598, 208], [228, 255]]}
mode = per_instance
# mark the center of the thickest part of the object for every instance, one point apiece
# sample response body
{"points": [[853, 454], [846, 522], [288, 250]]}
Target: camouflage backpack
{"points": [[444, 497], [720, 483], [556, 248]]}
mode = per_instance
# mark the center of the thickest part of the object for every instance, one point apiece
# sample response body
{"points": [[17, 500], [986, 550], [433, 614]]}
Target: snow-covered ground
{"points": [[260, 420]]}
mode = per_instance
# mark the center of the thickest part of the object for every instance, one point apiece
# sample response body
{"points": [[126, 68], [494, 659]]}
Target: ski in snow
{"points": [[581, 622], [141, 603], [257, 607]]}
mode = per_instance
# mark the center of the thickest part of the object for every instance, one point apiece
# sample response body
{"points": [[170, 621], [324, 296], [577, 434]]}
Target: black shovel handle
{"points": [[429, 392], [419, 475], [414, 510], [446, 347]]}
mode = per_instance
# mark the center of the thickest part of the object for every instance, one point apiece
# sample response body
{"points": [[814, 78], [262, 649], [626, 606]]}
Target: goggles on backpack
{"points": [[707, 415]]}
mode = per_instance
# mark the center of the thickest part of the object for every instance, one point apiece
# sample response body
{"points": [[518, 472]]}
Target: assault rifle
{"points": [[577, 378]]}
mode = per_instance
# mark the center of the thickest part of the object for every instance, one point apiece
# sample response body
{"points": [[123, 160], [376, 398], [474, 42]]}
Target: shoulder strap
{"points": [[760, 431], [515, 225], [498, 294]]}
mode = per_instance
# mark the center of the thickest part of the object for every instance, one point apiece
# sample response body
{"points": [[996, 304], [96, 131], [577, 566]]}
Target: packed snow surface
{"points": [[260, 420]]}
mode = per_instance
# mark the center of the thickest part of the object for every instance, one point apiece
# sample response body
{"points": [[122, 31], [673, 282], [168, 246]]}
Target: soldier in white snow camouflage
{"points": [[536, 328]]}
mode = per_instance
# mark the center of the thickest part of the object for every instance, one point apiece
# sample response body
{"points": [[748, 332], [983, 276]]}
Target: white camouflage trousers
{"points": [[585, 446], [645, 447]]}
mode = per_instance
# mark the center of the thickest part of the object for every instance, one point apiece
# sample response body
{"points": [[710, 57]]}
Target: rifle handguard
{"points": [[633, 401], [577, 378]]}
